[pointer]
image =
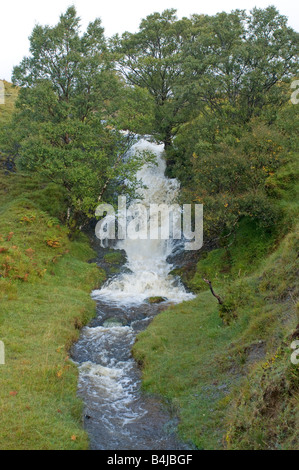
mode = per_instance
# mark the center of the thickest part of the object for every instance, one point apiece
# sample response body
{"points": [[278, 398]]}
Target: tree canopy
{"points": [[152, 59], [68, 95], [205, 86]]}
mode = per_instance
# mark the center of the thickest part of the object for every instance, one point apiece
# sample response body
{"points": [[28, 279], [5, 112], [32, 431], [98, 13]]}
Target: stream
{"points": [[118, 415]]}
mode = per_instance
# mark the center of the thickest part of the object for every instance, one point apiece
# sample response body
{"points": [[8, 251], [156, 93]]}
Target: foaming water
{"points": [[117, 414], [147, 259]]}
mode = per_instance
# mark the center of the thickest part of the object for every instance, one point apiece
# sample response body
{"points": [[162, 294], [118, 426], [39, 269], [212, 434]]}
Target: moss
{"points": [[155, 300], [114, 257]]}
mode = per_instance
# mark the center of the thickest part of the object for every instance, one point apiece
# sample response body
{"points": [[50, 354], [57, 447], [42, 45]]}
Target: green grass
{"points": [[218, 377], [246, 250], [45, 289], [178, 355], [227, 372]]}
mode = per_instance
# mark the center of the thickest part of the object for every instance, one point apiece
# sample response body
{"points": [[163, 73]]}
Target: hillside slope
{"points": [[45, 285], [227, 371]]}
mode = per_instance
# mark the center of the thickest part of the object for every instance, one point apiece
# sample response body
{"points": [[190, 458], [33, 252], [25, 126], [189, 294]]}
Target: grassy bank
{"points": [[234, 385], [227, 371], [45, 286]]}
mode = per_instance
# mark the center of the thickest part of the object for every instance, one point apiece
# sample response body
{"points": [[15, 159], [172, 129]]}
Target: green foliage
{"points": [[230, 179], [136, 110], [151, 59], [68, 95], [237, 129], [235, 60], [218, 70]]}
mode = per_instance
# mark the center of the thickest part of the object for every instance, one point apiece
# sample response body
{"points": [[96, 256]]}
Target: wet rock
{"points": [[114, 257], [155, 300], [110, 322]]}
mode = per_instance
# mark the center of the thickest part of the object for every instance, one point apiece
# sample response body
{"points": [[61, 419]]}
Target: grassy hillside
{"points": [[234, 386], [227, 372], [45, 286]]}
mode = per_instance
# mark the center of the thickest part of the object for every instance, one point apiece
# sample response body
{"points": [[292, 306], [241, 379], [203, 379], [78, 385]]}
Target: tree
{"points": [[68, 94], [151, 59], [234, 62], [236, 67]]}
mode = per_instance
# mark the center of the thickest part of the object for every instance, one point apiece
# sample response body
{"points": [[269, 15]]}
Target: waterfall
{"points": [[149, 272], [118, 415]]}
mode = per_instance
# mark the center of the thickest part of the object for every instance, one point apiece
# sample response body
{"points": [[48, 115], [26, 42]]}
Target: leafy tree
{"points": [[151, 59], [235, 76], [232, 181], [136, 110], [235, 61], [68, 95]]}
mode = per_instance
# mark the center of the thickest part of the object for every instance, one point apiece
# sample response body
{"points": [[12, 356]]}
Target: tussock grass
{"points": [[44, 300]]}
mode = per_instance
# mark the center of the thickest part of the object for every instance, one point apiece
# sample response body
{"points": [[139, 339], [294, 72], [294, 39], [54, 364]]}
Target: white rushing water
{"points": [[147, 259], [119, 416]]}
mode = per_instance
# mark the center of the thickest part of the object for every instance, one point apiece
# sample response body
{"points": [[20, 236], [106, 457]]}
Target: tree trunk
{"points": [[220, 301]]}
